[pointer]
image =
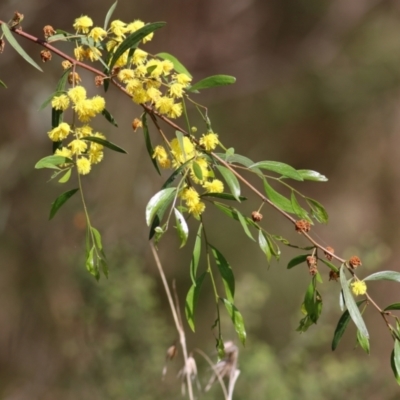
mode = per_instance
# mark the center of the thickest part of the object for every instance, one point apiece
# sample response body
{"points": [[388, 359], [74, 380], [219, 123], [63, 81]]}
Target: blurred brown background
{"points": [[318, 87]]}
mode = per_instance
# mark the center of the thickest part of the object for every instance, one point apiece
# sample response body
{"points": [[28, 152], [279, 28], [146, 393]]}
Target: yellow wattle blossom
{"points": [[83, 131], [180, 156], [83, 165], [175, 111], [97, 34], [162, 157], [137, 24], [140, 70], [83, 24], [176, 90], [66, 64], [118, 28], [191, 197], [78, 146], [156, 68], [60, 102], [64, 152], [139, 96], [79, 53], [167, 66], [183, 79], [60, 132], [133, 85], [153, 94], [89, 108], [197, 209], [164, 104], [359, 287], [93, 54], [97, 146], [98, 104], [95, 155], [215, 186], [125, 75], [77, 93], [209, 141], [139, 57]]}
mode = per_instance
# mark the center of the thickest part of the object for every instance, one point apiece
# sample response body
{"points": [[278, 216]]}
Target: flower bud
{"points": [[45, 55], [256, 216]]}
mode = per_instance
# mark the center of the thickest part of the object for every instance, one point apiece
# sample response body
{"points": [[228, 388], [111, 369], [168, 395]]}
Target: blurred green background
{"points": [[318, 87]]}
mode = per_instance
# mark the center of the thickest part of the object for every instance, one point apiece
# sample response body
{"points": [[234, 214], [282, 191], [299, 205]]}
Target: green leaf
{"points": [[394, 306], [196, 254], [109, 117], [278, 167], [52, 162], [276, 252], [318, 211], [212, 81], [309, 175], [65, 177], [49, 99], [226, 273], [62, 81], [132, 41], [262, 241], [11, 40], [182, 227], [297, 260], [395, 361], [231, 181], [340, 329], [224, 196], [60, 200], [97, 238], [3, 84], [330, 265], [351, 304], [276, 198], [172, 177], [178, 67], [180, 136], [384, 275], [299, 211], [160, 199], [149, 145], [309, 298], [243, 222], [237, 320], [363, 342], [109, 14], [105, 143], [91, 264], [197, 171], [191, 300]]}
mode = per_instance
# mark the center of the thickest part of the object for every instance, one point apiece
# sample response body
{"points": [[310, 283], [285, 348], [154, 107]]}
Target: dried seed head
{"points": [[115, 71], [313, 270], [311, 261], [355, 262], [48, 31], [333, 275], [136, 123], [256, 216], [66, 64], [98, 80], [45, 55], [74, 78], [17, 19], [302, 226], [327, 255]]}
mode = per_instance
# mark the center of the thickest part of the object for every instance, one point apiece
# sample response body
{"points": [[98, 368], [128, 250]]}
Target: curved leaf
{"points": [[309, 175], [297, 260], [276, 198], [182, 227], [278, 167], [162, 198], [60, 200], [133, 40], [191, 300], [52, 162], [178, 67], [394, 306], [263, 243], [299, 211], [109, 117], [149, 145], [2, 84], [197, 171], [11, 40], [212, 81], [105, 143], [363, 342], [351, 304], [109, 14], [231, 181], [66, 176], [224, 196], [330, 265], [384, 275], [395, 360], [243, 222], [340, 329], [237, 320], [318, 211], [226, 273], [196, 255]]}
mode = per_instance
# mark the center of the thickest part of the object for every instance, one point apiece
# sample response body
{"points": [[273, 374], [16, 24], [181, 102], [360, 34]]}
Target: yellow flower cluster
{"points": [[359, 287], [86, 152], [198, 169]]}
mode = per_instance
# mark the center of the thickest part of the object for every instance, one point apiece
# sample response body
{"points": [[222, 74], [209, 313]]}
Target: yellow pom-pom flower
{"points": [[83, 165], [64, 152], [191, 197], [176, 90], [215, 186], [95, 155], [97, 34], [60, 132], [78, 146], [83, 131], [197, 209], [175, 111], [118, 28], [180, 156], [209, 141], [77, 93], [183, 79], [83, 24], [164, 104], [79, 53], [359, 288], [60, 102]]}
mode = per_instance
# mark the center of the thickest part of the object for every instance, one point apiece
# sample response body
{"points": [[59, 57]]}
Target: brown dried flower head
{"points": [[256, 216], [313, 270], [311, 261], [355, 262], [45, 55], [302, 226], [327, 255], [333, 275], [17, 19], [74, 78], [66, 64], [136, 123], [98, 80], [48, 31]]}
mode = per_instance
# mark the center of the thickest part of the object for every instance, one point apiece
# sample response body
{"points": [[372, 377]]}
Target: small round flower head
{"points": [[60, 102], [98, 34], [133, 85], [64, 152], [93, 54], [256, 216], [95, 155], [359, 288], [191, 197], [79, 53], [139, 57], [164, 104], [78, 146], [137, 24], [45, 55], [355, 262], [189, 150], [98, 104], [83, 131], [183, 79], [118, 28], [139, 96], [215, 186], [60, 132], [77, 93], [83, 24], [162, 157], [83, 165], [167, 66], [209, 141], [302, 226], [136, 123], [156, 68], [48, 31], [153, 94], [74, 78], [125, 75], [327, 255], [66, 64], [197, 209], [176, 90]]}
